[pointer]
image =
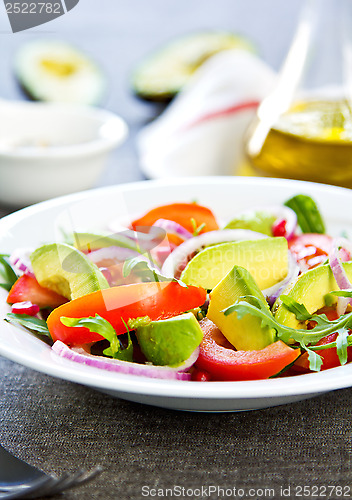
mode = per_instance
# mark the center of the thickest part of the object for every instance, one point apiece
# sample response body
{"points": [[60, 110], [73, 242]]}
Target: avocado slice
{"points": [[247, 333], [163, 74], [67, 271], [258, 221], [55, 71], [309, 289], [88, 242], [266, 259], [170, 341]]}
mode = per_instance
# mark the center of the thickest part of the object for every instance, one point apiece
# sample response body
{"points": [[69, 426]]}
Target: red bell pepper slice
{"points": [[121, 303], [219, 358], [27, 288], [182, 213]]}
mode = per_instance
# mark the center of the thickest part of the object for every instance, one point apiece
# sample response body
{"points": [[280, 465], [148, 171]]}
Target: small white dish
{"points": [[98, 208], [48, 150]]}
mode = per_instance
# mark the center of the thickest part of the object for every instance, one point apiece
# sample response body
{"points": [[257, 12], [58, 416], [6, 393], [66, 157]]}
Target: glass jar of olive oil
{"points": [[303, 130]]}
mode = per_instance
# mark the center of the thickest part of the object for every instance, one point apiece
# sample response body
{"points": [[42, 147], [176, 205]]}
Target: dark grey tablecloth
{"points": [[60, 426]]}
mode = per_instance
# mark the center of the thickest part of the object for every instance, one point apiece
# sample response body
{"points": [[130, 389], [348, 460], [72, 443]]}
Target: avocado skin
{"points": [[170, 341], [309, 289], [56, 71], [266, 259], [161, 75], [244, 334], [67, 271]]}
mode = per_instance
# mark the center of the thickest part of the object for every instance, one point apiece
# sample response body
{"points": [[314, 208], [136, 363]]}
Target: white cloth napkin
{"points": [[193, 136]]}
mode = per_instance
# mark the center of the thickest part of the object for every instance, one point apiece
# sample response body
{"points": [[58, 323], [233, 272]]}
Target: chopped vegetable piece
{"points": [[25, 308], [185, 214], [224, 363], [28, 288], [122, 303]]}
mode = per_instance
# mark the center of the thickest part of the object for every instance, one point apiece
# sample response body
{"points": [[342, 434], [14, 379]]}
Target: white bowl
{"points": [[48, 150], [99, 208]]}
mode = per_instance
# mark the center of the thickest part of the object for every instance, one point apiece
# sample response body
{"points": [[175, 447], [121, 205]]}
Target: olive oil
{"points": [[312, 141]]}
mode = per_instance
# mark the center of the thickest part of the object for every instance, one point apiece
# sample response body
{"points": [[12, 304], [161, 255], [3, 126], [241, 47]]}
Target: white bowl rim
{"points": [[96, 146]]}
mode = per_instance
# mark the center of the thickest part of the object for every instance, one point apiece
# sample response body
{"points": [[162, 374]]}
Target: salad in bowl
{"points": [[177, 293]]}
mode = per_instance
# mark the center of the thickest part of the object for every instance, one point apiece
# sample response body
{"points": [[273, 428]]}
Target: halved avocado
{"points": [[162, 75], [55, 71]]}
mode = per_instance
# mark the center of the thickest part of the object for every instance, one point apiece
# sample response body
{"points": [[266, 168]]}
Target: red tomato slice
{"points": [[182, 213], [310, 249], [121, 303], [330, 357], [219, 358], [27, 288]]}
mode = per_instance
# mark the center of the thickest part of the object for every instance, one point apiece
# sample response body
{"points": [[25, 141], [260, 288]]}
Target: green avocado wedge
{"points": [[88, 242], [67, 271], [247, 333], [266, 259], [260, 222], [165, 72], [309, 289], [170, 341]]}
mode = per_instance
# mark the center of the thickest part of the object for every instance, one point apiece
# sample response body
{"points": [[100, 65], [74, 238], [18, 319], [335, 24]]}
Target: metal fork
{"points": [[21, 480]]}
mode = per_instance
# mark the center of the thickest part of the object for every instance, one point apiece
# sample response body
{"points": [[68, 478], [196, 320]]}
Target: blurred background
{"points": [[120, 34]]}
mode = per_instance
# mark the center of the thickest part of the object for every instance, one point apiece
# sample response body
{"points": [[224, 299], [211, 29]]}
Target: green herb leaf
{"points": [[341, 345], [299, 310], [7, 273], [30, 322], [308, 216], [99, 325], [315, 361], [197, 229], [145, 271]]}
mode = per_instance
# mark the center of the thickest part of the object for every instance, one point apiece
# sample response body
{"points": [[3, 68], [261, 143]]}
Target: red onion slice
{"points": [[183, 252], [173, 227], [81, 356], [113, 253], [275, 291], [340, 274], [20, 259]]}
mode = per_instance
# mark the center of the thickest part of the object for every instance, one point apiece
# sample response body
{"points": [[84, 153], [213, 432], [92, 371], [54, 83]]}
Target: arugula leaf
{"points": [[252, 305], [30, 322], [315, 361], [145, 271], [299, 310], [308, 216], [7, 273], [341, 345], [97, 324]]}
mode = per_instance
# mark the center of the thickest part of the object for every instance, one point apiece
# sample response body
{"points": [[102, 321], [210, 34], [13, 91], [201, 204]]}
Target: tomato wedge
{"points": [[219, 358], [182, 213], [27, 288], [121, 303]]}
